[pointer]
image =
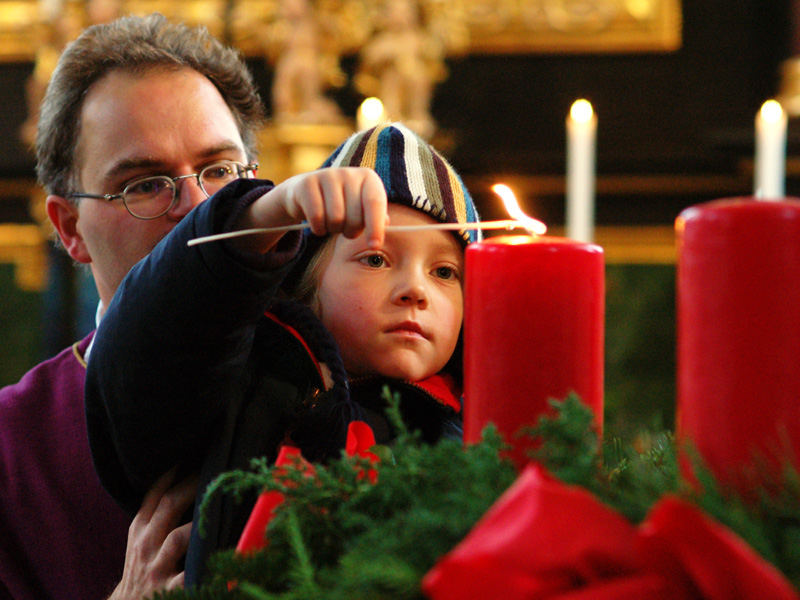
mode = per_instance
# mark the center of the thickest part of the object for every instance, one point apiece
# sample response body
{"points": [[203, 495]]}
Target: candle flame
{"points": [[370, 113], [534, 226], [581, 111], [772, 111]]}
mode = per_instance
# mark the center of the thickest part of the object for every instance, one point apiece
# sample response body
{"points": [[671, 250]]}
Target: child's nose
{"points": [[412, 291]]}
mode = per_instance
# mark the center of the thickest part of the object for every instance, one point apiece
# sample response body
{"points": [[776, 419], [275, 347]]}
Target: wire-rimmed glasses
{"points": [[151, 197]]}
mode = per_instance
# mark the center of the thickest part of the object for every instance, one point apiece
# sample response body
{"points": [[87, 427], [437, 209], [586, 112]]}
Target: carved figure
{"points": [[57, 25], [401, 64], [304, 49]]}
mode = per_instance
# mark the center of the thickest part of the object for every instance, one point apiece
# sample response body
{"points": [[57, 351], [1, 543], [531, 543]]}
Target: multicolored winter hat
{"points": [[413, 173]]}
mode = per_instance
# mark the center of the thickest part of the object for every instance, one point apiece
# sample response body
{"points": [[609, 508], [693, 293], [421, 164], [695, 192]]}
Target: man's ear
{"points": [[64, 216]]}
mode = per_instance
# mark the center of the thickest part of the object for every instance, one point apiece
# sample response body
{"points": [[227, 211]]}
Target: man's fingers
{"points": [[174, 548], [155, 543], [154, 495], [176, 582], [173, 504]]}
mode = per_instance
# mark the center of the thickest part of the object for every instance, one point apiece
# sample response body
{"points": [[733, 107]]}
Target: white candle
{"points": [[370, 113], [581, 139], [770, 159]]}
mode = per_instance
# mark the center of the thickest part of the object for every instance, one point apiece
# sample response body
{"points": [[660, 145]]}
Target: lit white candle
{"points": [[581, 140], [370, 113], [770, 158]]}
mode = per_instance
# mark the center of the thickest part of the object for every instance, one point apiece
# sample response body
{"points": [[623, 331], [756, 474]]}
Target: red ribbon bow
{"points": [[544, 539]]}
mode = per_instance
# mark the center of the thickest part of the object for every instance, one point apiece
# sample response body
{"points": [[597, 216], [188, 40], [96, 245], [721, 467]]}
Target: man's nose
{"points": [[190, 194]]}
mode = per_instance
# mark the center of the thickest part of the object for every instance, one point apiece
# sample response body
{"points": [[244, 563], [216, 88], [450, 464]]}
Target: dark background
{"points": [[685, 111]]}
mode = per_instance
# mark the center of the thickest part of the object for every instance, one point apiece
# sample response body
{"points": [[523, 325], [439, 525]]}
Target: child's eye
{"points": [[376, 261], [446, 273]]}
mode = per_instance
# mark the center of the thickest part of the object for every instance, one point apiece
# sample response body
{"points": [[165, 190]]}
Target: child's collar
{"points": [[441, 387]]}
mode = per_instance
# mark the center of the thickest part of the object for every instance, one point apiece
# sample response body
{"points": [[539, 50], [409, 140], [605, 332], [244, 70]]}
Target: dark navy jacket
{"points": [[197, 364]]}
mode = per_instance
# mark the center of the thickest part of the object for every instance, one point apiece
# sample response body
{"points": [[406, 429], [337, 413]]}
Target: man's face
{"points": [[395, 311], [162, 122]]}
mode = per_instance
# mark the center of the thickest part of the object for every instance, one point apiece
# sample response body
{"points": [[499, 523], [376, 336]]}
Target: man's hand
{"points": [[156, 543]]}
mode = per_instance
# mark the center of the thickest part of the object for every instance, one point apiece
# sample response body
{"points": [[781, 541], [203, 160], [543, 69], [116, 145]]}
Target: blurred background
{"points": [[675, 87]]}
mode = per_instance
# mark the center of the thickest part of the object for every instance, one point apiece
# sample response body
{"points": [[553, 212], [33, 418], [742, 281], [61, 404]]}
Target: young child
{"points": [[188, 369]]}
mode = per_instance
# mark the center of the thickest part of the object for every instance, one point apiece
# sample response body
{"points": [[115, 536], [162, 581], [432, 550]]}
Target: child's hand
{"points": [[345, 200]]}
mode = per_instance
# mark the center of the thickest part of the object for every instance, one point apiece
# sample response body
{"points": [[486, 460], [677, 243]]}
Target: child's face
{"points": [[396, 311]]}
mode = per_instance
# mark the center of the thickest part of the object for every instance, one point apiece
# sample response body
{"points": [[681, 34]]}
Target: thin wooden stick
{"points": [[539, 229]]}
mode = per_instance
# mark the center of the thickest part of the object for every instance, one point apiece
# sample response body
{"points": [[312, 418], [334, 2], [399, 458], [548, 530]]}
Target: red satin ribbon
{"points": [[544, 539]]}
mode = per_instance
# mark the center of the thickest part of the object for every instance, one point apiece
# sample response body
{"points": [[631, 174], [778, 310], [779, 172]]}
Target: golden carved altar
{"points": [[34, 31], [494, 26]]}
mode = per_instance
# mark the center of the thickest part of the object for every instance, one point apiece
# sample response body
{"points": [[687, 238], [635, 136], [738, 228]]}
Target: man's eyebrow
{"points": [[132, 164], [136, 163]]}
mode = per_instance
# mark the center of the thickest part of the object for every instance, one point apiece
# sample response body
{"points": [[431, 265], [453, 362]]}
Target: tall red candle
{"points": [[533, 330], [738, 299]]}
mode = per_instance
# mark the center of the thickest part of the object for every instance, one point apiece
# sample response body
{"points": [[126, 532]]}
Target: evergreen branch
{"points": [[338, 537], [233, 482], [303, 570], [569, 444], [256, 592], [393, 414]]}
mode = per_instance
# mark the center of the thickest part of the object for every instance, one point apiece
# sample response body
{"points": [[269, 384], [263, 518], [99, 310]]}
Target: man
{"points": [[131, 105]]}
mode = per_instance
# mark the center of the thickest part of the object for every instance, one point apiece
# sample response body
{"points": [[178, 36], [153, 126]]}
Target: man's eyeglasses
{"points": [[152, 197]]}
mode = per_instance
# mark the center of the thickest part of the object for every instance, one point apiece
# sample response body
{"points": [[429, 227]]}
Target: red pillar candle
{"points": [[533, 330], [738, 330]]}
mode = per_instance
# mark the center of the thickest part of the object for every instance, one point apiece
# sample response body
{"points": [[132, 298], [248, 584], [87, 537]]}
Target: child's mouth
{"points": [[409, 328]]}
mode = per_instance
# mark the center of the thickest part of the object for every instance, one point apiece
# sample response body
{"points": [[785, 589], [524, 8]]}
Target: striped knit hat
{"points": [[413, 173]]}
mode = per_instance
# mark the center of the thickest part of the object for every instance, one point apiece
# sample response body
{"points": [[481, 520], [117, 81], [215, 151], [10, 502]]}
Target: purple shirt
{"points": [[61, 534]]}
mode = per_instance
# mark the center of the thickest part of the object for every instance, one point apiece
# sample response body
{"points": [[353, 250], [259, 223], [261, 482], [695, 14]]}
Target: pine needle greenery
{"points": [[339, 536]]}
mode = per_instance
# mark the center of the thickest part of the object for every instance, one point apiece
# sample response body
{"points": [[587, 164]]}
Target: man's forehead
{"points": [[160, 88], [151, 119]]}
